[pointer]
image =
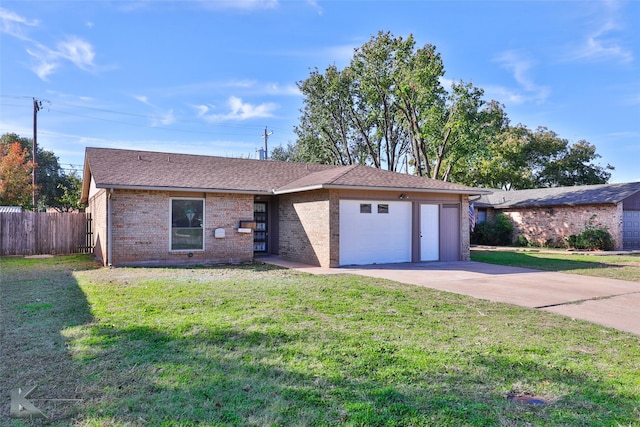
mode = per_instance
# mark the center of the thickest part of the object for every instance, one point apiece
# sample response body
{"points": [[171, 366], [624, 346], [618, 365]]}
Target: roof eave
{"points": [[376, 188], [181, 189], [86, 181], [549, 205]]}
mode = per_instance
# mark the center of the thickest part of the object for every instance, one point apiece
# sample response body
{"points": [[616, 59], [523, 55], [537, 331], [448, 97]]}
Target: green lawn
{"points": [[623, 267], [256, 345]]}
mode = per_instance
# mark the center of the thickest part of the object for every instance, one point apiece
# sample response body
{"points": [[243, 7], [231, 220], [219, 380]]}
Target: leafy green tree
{"points": [[325, 134], [519, 158], [575, 166], [71, 194], [388, 106]]}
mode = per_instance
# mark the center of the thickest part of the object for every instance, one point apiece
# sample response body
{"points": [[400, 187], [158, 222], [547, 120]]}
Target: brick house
{"points": [[548, 214], [153, 208]]}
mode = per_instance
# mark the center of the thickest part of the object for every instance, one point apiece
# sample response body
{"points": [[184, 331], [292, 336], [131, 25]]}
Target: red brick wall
{"points": [[548, 223], [305, 232], [97, 207], [141, 228]]}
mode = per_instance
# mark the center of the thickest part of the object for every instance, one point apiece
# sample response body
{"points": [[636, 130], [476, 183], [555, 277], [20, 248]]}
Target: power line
{"points": [[123, 113]]}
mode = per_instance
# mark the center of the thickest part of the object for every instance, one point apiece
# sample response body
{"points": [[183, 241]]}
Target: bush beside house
{"points": [[496, 232]]}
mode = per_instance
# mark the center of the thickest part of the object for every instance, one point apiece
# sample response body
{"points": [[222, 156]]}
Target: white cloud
{"points": [[160, 118], [14, 25], [247, 5], [47, 60], [68, 96], [245, 87], [45, 64], [314, 4], [600, 43], [142, 99], [74, 50], [77, 51], [164, 120], [238, 111], [520, 66]]}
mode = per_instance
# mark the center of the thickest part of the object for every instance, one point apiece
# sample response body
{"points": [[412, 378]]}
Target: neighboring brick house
{"points": [[153, 208], [548, 214]]}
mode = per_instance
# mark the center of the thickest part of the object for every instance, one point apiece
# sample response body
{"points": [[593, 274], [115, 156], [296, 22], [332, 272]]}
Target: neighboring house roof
{"points": [[568, 196], [133, 169], [10, 209]]}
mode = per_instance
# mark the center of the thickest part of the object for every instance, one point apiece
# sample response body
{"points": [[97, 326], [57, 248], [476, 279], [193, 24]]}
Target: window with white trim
{"points": [[187, 224]]}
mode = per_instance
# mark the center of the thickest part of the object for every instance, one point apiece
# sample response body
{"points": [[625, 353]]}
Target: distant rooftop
{"points": [[569, 196]]}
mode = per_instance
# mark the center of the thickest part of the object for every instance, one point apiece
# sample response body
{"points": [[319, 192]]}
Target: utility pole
{"points": [[266, 137], [36, 107]]}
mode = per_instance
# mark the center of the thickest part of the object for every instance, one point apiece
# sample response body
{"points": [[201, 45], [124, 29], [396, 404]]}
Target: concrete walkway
{"points": [[608, 302]]}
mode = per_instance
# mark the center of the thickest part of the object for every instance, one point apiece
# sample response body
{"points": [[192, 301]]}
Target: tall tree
{"points": [[325, 132], [575, 166], [50, 177], [15, 176], [520, 158], [388, 106]]}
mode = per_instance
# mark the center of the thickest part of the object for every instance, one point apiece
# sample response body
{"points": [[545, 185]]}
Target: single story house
{"points": [[550, 214], [151, 208]]}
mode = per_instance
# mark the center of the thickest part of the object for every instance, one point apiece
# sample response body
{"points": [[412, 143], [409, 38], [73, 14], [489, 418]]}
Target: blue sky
{"points": [[207, 77]]}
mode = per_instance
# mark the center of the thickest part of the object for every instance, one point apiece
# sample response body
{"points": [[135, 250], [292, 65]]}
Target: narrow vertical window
{"points": [[187, 224]]}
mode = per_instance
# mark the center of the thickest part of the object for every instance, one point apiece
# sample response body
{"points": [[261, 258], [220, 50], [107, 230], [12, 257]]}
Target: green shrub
{"points": [[592, 238], [503, 229], [558, 243], [522, 241], [481, 234], [496, 233]]}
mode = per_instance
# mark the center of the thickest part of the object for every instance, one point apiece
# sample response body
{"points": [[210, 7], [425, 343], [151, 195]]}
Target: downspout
{"points": [[109, 230]]}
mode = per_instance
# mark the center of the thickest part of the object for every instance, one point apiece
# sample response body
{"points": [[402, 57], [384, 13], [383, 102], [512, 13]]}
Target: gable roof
{"points": [[568, 196], [145, 170]]}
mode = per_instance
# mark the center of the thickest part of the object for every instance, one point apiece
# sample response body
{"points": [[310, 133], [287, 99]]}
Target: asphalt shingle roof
{"points": [[569, 196], [114, 168]]}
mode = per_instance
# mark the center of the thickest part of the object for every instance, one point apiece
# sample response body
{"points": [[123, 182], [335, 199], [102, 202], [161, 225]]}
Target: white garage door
{"points": [[374, 232]]}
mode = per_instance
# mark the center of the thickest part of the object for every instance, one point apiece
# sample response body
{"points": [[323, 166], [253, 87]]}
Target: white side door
{"points": [[429, 232]]}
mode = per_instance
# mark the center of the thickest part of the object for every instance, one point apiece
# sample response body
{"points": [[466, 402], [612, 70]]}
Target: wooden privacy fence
{"points": [[38, 233]]}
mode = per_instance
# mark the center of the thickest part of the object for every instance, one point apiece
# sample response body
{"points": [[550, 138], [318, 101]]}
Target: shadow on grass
{"points": [[232, 377], [139, 374], [39, 299], [526, 260]]}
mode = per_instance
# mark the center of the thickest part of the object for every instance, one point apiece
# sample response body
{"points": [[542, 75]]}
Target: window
{"points": [[383, 208], [187, 224], [365, 208], [482, 215]]}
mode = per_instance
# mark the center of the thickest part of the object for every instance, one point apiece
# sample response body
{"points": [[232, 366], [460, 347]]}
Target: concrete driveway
{"points": [[608, 302]]}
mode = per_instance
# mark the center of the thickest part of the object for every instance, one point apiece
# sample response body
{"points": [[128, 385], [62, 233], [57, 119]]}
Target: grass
{"points": [[623, 267], [255, 345]]}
